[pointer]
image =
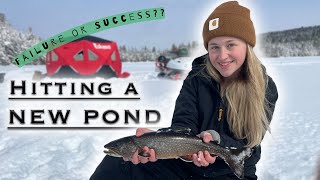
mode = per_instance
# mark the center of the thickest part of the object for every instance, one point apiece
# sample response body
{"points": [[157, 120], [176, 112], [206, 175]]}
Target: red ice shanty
{"points": [[87, 56]]}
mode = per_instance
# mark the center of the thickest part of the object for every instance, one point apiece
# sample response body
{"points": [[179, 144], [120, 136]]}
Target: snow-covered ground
{"points": [[291, 151]]}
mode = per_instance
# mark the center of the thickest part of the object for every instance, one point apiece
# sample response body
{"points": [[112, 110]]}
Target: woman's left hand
{"points": [[204, 158]]}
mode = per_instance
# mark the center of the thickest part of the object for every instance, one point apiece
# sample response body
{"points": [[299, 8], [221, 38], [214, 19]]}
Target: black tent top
{"points": [[93, 39]]}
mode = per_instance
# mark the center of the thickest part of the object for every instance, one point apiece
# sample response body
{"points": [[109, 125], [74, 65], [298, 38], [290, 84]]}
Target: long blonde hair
{"points": [[247, 106]]}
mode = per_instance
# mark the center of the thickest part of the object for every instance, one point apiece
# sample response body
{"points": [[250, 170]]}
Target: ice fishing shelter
{"points": [[86, 56]]}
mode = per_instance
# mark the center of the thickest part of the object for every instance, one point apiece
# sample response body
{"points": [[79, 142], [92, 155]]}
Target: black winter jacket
{"points": [[197, 108]]}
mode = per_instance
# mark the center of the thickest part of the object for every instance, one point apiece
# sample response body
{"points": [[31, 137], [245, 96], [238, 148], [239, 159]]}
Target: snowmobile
{"points": [[174, 64], [175, 69]]}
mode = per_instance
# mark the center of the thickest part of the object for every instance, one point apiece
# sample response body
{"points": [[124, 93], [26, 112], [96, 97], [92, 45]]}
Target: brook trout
{"points": [[171, 144]]}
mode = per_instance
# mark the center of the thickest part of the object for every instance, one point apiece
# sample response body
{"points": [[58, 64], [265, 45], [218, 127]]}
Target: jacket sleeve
{"points": [[186, 109], [271, 97], [227, 141]]}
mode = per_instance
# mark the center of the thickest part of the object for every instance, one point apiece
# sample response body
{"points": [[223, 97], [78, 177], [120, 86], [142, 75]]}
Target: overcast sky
{"points": [[183, 22]]}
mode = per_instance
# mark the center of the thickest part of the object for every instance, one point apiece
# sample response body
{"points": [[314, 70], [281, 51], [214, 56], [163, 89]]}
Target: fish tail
{"points": [[236, 160]]}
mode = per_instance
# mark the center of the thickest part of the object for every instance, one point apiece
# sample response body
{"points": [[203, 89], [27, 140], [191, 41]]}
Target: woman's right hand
{"points": [[204, 158], [136, 159]]}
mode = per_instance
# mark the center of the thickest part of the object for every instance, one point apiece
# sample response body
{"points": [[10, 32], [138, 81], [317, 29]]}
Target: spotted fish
{"points": [[171, 144]]}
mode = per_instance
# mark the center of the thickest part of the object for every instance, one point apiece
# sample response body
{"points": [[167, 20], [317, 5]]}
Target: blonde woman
{"points": [[226, 96]]}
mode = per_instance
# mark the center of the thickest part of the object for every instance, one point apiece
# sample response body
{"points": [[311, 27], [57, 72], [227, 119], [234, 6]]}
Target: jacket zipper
{"points": [[219, 99], [220, 113]]}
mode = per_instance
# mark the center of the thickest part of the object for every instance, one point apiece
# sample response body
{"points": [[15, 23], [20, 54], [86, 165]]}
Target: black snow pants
{"points": [[112, 168]]}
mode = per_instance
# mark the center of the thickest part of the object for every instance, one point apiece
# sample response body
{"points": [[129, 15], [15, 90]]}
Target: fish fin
{"points": [[182, 130], [186, 159], [164, 130], [216, 141], [144, 154], [236, 160], [213, 155]]}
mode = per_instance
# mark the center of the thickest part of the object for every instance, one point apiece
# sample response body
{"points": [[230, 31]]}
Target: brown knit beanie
{"points": [[229, 19]]}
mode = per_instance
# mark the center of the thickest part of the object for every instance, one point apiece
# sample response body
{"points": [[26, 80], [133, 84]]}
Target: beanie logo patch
{"points": [[213, 24]]}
